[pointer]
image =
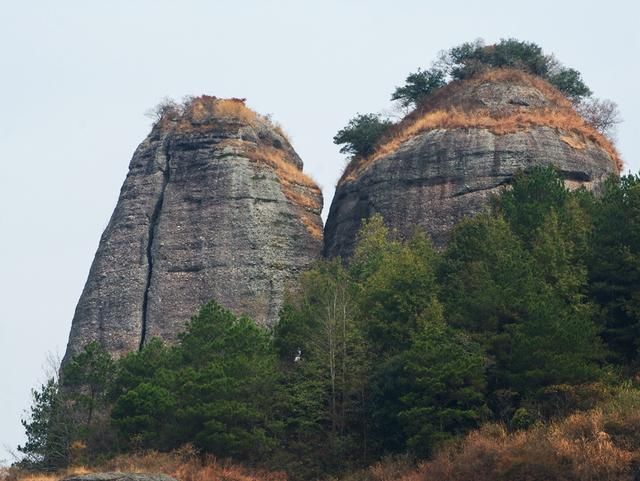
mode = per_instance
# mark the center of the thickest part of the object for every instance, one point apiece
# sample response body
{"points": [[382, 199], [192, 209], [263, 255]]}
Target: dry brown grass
{"points": [[302, 199], [562, 120], [519, 77], [200, 113], [578, 448], [183, 464], [200, 110], [445, 110], [455, 94], [281, 131]]}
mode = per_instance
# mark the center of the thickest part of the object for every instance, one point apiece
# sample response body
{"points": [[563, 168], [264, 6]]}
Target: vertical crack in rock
{"points": [[153, 226]]}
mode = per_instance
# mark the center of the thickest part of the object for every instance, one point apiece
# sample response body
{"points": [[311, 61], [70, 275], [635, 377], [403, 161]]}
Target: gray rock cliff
{"points": [[444, 161], [215, 206]]}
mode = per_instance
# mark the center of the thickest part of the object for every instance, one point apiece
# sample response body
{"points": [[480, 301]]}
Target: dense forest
{"points": [[529, 314]]}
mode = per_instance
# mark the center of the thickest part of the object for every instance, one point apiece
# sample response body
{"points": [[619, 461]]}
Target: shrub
{"points": [[419, 85], [361, 134], [469, 59], [569, 81]]}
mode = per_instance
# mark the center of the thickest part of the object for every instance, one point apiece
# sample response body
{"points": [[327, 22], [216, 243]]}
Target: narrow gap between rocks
{"points": [[153, 226]]}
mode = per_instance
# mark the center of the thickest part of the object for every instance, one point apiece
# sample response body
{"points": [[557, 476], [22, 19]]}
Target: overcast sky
{"points": [[76, 78]]}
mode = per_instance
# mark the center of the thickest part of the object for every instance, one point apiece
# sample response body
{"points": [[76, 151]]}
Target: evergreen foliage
{"points": [[212, 389], [419, 85], [614, 268], [46, 447], [472, 58], [360, 135], [89, 376]]}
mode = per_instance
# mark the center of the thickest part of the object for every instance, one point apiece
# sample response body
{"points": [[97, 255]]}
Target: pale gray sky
{"points": [[77, 76]]}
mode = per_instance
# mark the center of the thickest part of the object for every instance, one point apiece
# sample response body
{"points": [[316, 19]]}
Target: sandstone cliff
{"points": [[445, 160], [215, 206]]}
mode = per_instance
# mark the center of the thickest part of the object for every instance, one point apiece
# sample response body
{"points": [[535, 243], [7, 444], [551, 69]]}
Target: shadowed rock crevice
{"points": [[153, 226]]}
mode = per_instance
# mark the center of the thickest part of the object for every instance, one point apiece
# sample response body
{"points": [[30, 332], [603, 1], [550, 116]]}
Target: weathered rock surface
{"points": [[118, 476], [477, 137], [215, 206]]}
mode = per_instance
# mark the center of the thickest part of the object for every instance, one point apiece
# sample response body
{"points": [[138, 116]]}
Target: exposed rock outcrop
{"points": [[118, 476], [445, 160], [215, 206]]}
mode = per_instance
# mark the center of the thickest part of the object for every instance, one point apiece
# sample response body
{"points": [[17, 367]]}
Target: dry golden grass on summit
{"points": [[206, 107], [449, 109], [195, 113], [565, 121], [519, 77]]}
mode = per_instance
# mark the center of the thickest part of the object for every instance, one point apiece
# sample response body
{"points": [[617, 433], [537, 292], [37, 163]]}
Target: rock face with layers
{"points": [[445, 160], [215, 206]]}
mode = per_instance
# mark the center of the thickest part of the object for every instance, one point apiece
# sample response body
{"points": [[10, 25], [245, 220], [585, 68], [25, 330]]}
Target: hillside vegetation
{"points": [[526, 324]]}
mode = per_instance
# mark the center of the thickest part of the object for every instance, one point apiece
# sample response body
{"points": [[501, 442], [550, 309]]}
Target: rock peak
{"points": [[215, 206], [443, 161]]}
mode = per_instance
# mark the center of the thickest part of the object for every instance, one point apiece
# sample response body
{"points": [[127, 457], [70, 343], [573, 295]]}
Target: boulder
{"points": [[117, 476]]}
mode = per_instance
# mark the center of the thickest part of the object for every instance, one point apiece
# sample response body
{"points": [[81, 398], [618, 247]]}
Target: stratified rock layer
{"points": [[443, 163], [215, 206]]}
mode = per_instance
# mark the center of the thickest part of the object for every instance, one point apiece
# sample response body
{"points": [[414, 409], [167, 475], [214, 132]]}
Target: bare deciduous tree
{"points": [[603, 115]]}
